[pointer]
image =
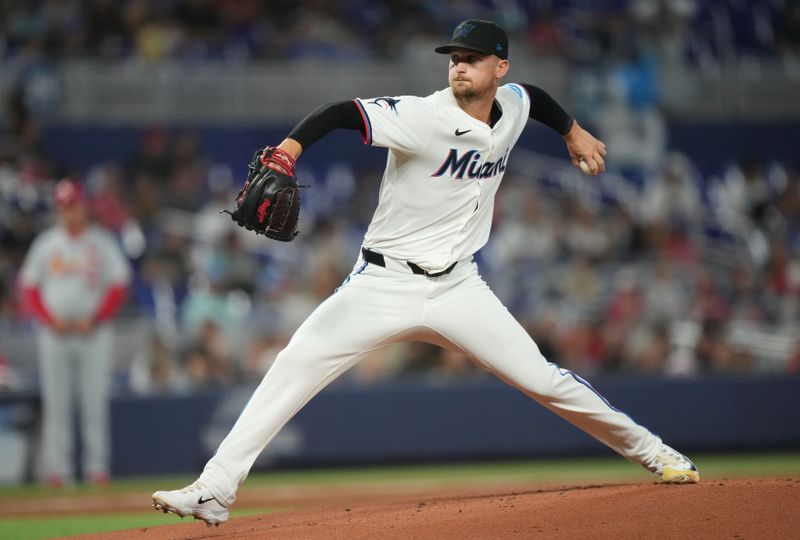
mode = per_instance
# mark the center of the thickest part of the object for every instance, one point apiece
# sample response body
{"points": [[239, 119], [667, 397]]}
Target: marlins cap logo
{"points": [[463, 30]]}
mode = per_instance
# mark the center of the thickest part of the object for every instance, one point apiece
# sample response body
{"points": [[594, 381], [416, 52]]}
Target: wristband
{"points": [[280, 157]]}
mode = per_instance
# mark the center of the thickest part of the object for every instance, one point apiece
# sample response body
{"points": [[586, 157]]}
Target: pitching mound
{"points": [[748, 508]]}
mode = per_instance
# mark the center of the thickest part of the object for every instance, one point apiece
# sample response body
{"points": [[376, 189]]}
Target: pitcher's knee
{"points": [[303, 360], [535, 389], [541, 383], [289, 359]]}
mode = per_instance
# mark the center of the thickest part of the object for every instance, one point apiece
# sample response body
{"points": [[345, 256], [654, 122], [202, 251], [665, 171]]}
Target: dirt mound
{"points": [[741, 508]]}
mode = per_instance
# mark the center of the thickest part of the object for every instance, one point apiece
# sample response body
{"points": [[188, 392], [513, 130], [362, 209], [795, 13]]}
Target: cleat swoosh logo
{"points": [[203, 501]]}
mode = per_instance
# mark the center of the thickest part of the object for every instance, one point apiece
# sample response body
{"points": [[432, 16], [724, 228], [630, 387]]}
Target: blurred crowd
{"points": [[351, 30], [673, 273], [681, 274], [656, 268]]}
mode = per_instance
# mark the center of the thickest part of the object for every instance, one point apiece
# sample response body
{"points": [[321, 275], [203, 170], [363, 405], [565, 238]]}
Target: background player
{"points": [[74, 279], [416, 278]]}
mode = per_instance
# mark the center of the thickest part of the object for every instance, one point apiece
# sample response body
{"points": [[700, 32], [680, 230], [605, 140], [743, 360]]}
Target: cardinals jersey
{"points": [[74, 272]]}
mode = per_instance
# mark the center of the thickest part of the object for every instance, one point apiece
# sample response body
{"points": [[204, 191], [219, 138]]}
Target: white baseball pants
{"points": [[377, 306], [76, 370]]}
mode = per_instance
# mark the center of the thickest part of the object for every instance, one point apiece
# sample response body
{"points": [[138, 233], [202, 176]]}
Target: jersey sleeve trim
{"points": [[519, 90], [367, 123]]}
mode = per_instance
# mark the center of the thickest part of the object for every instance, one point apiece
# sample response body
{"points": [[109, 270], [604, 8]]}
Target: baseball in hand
{"points": [[584, 166]]}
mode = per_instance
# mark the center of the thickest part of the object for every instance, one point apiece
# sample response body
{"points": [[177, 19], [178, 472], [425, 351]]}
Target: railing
{"points": [[138, 93]]}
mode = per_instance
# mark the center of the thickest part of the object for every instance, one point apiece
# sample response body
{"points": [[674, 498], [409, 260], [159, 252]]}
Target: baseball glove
{"points": [[269, 202]]}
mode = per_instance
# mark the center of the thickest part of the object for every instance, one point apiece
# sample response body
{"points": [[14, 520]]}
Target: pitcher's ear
{"points": [[502, 69]]}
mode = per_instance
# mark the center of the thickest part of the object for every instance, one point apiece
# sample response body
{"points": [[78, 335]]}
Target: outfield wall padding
{"points": [[412, 422]]}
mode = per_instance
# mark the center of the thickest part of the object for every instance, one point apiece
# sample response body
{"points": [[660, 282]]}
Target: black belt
{"points": [[373, 257]]}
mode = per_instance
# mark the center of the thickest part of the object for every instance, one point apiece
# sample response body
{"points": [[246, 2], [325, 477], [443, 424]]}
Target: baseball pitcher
{"points": [[415, 278]]}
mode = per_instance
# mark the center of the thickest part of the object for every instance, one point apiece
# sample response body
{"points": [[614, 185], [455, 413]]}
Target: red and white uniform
{"points": [[72, 278]]}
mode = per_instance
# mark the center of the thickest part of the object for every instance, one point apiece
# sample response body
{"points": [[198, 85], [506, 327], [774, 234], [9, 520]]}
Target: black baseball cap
{"points": [[478, 35]]}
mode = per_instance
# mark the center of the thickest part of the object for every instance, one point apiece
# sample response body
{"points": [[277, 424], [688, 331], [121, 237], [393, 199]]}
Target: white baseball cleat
{"points": [[673, 467], [193, 500]]}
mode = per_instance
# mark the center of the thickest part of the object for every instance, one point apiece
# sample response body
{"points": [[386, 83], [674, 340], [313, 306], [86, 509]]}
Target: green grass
{"points": [[36, 528], [579, 471], [608, 469]]}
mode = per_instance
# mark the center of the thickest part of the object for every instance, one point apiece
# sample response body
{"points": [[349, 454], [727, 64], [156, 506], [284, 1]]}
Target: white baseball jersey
{"points": [[74, 272], [442, 173]]}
